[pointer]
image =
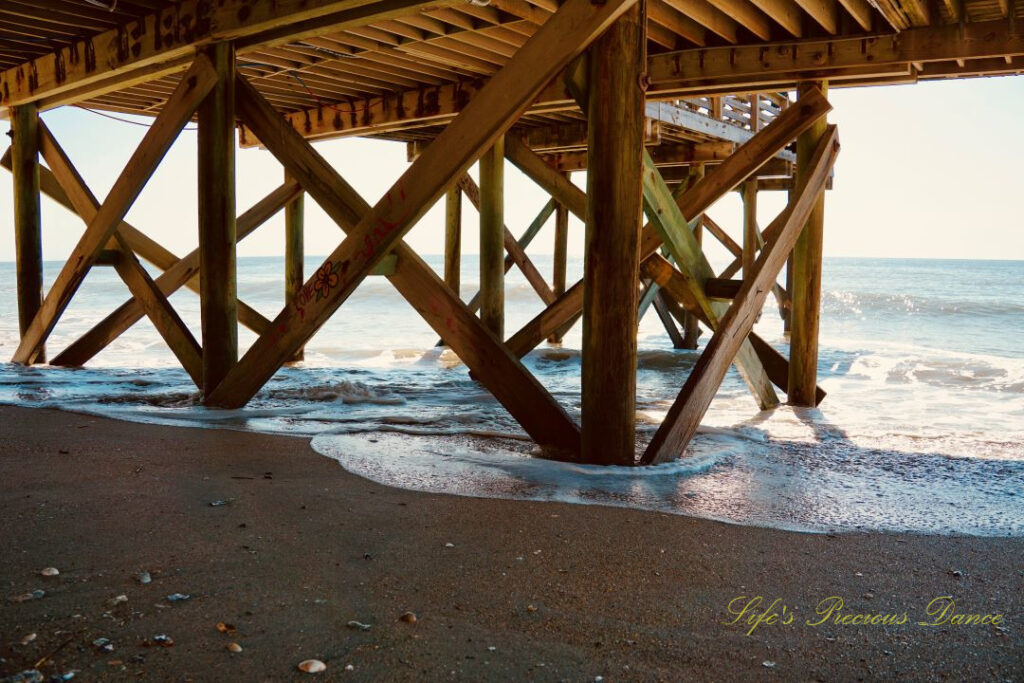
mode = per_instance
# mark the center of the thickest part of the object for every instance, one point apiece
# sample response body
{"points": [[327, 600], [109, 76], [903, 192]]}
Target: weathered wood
{"points": [[115, 56], [528, 402], [717, 288], [218, 293], [684, 416], [181, 273], [177, 111], [164, 318], [28, 228], [453, 238], [750, 230], [560, 258], [492, 238], [691, 329], [806, 290], [615, 114], [745, 161], [666, 320], [294, 252]]}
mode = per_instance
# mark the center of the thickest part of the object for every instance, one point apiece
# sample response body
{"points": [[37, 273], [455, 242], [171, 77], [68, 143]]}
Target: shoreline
{"points": [[301, 547]]}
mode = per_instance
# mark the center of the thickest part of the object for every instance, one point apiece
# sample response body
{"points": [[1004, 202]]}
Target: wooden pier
{"points": [[668, 105]]}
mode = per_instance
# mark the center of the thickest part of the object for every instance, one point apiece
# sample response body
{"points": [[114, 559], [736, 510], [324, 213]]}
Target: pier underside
{"points": [[668, 105]]}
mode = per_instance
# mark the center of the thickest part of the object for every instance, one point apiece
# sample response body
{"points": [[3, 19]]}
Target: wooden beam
{"points": [[453, 238], [294, 251], [179, 109], [745, 161], [615, 114], [684, 70], [28, 228], [661, 308], [512, 385], [173, 33], [805, 306], [684, 416], [785, 13], [218, 293], [492, 238], [560, 258], [182, 272], [691, 329]]}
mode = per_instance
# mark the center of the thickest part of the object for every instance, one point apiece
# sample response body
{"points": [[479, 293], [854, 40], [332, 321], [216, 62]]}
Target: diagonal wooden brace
{"points": [[515, 252], [182, 272], [685, 414], [696, 200], [194, 86]]}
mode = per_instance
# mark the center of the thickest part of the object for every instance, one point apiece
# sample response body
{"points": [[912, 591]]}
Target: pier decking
{"points": [[668, 105]]}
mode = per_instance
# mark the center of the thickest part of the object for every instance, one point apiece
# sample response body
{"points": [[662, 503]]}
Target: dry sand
{"points": [[526, 590]]}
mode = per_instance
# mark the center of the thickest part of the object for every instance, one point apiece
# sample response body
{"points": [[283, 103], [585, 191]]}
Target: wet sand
{"points": [[525, 591]]}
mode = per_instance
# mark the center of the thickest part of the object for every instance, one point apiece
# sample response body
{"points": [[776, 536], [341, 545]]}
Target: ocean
{"points": [[922, 430]]}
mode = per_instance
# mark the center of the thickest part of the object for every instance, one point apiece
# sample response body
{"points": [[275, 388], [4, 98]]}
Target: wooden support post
{"points": [[787, 311], [561, 256], [806, 288], [294, 251], [28, 236], [453, 238], [615, 112], [492, 238], [750, 231], [684, 416], [661, 308], [218, 293], [691, 329]]}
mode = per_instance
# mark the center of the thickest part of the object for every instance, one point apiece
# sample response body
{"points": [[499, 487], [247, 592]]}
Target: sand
{"points": [[502, 590]]}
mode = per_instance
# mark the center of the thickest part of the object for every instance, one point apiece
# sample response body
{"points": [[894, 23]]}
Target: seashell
{"points": [[234, 647], [312, 666], [408, 617], [115, 601], [144, 578], [178, 597], [225, 628], [359, 626], [28, 639], [49, 571]]}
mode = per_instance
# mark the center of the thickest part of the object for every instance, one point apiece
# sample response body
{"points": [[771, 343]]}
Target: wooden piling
{"points": [[492, 238], [561, 256], [614, 178], [217, 230], [691, 328], [28, 236], [294, 252], [750, 230], [453, 238], [806, 281]]}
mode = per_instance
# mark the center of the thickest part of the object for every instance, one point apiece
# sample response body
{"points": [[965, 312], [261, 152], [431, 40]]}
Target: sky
{"points": [[932, 170]]}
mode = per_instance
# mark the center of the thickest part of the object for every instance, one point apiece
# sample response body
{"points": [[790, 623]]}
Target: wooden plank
{"points": [[745, 161], [28, 227], [173, 33], [492, 238], [806, 292], [615, 116], [218, 293], [159, 311], [718, 288], [180, 273], [684, 416], [691, 329], [158, 139], [750, 230], [294, 252], [861, 11], [512, 385], [785, 13]]}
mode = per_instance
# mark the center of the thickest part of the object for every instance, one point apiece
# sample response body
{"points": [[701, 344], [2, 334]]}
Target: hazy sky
{"points": [[931, 170]]}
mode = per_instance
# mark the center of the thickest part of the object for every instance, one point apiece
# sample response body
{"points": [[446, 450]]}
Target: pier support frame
{"points": [[806, 281], [691, 328], [28, 236], [453, 238], [561, 256], [615, 113]]}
